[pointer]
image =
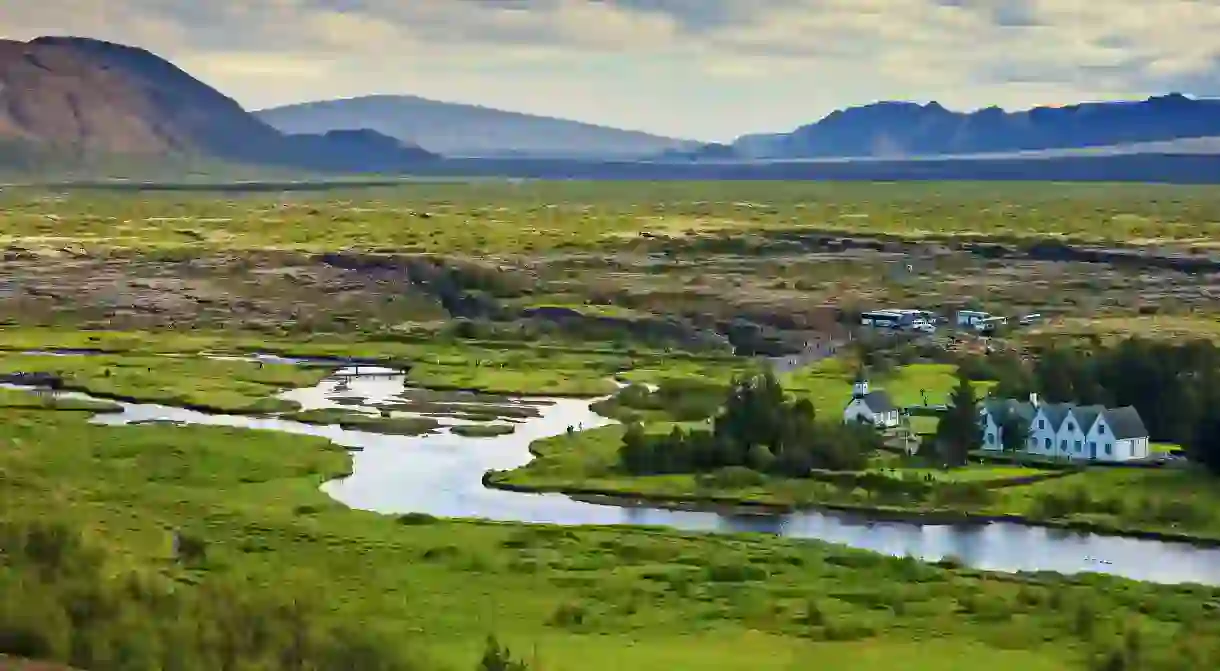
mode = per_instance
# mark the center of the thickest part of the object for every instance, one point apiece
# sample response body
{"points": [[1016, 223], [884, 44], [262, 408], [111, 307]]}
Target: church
{"points": [[873, 407]]}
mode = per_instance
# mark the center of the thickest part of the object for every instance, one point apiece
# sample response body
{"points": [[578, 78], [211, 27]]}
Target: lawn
{"points": [[972, 473], [828, 383], [594, 598]]}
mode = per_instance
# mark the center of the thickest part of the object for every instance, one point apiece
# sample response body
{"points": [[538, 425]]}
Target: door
{"points": [[1093, 449]]}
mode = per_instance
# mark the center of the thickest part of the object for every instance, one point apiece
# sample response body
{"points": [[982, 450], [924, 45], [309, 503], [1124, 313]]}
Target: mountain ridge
{"points": [[900, 129], [470, 130], [80, 97]]}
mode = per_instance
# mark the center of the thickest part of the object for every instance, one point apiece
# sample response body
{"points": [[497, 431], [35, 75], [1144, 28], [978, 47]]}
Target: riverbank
{"points": [[585, 466]]}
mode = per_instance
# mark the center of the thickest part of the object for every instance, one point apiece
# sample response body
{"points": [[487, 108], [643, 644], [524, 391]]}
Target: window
{"points": [[1078, 446], [1070, 426], [1101, 428], [1063, 445], [991, 438], [1042, 424], [1107, 446], [1048, 443]]}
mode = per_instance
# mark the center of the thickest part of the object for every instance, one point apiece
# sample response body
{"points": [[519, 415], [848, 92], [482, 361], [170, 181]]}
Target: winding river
{"points": [[441, 474]]}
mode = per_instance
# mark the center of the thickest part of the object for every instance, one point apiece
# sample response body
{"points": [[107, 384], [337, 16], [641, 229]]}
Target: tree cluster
{"points": [[759, 428], [1174, 385]]}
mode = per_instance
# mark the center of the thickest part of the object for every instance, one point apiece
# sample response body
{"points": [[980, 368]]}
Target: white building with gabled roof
{"points": [[1067, 430], [873, 407]]}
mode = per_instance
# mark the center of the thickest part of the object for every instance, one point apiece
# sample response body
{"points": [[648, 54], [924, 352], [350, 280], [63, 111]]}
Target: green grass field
{"points": [[565, 598]]}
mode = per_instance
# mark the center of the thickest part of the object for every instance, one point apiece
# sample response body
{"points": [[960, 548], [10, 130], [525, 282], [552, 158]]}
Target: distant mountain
{"points": [[460, 130], [69, 98], [901, 129]]}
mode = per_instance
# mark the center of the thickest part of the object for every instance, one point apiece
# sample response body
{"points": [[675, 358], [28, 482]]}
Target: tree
{"points": [[1014, 433], [1205, 447], [636, 454], [959, 433]]}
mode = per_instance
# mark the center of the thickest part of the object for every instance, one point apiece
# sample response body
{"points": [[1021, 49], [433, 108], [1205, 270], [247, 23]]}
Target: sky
{"points": [[700, 69]]}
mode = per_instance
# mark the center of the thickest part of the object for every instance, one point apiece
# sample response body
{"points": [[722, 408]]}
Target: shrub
{"points": [[62, 601], [569, 615], [416, 519]]}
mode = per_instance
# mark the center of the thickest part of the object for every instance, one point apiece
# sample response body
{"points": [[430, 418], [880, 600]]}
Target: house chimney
{"points": [[1033, 399]]}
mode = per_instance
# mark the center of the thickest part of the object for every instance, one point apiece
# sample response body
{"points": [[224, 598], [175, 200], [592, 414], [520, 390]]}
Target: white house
{"points": [[873, 407], [1119, 435], [1066, 430]]}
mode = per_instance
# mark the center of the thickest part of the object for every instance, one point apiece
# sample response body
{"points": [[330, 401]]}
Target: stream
{"points": [[441, 473]]}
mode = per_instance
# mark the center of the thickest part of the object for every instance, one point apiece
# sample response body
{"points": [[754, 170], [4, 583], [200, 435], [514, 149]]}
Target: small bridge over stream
{"points": [[364, 372]]}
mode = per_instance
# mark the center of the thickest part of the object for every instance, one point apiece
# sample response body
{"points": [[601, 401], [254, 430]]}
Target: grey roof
{"points": [[1126, 423], [1087, 414], [1055, 413], [879, 401], [1002, 409]]}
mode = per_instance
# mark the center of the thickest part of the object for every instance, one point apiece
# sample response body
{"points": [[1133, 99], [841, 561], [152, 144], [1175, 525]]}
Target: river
{"points": [[441, 473]]}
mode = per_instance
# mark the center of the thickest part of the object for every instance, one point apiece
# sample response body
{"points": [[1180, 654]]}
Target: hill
{"points": [[468, 130], [71, 100], [903, 129]]}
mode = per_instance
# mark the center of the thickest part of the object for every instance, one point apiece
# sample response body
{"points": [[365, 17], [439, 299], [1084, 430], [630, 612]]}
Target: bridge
{"points": [[367, 373]]}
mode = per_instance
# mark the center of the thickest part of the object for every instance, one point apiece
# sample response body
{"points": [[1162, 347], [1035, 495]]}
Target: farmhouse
{"points": [[874, 407], [1067, 430]]}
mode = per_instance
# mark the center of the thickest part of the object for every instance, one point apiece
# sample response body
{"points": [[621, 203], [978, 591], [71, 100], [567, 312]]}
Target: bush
{"points": [[569, 615], [61, 601], [497, 658], [416, 519]]}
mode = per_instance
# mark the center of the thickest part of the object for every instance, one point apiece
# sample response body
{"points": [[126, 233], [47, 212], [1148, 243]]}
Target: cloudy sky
{"points": [[705, 69]]}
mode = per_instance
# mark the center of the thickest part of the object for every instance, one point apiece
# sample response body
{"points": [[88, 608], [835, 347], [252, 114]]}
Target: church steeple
{"points": [[860, 388]]}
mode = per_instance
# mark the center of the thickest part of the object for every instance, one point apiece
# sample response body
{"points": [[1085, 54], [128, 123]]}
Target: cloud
{"points": [[704, 68]]}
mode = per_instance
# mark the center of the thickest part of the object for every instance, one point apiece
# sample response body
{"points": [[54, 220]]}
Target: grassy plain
{"points": [[531, 218], [301, 263], [568, 598]]}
